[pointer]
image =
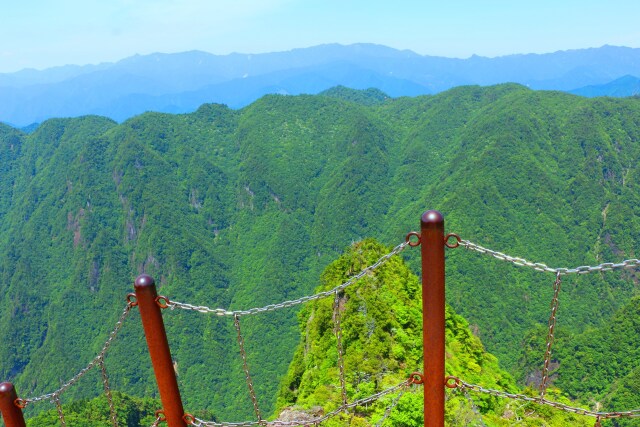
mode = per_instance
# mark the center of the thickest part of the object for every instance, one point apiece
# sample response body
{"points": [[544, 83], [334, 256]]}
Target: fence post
{"points": [[433, 316], [11, 413], [159, 351]]}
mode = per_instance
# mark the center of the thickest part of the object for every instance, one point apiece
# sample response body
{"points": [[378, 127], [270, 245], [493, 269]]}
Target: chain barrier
{"points": [[474, 408], [160, 418], [607, 266], [584, 269], [337, 329], [56, 401], [550, 336], [291, 303], [245, 367], [392, 406], [191, 420], [451, 382], [107, 391], [22, 403], [455, 382]]}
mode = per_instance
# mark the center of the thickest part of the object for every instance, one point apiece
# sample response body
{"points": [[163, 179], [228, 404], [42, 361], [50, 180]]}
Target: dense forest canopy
{"points": [[243, 208]]}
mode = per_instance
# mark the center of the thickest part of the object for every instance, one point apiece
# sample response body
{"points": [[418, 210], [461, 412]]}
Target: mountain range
{"points": [[181, 82], [244, 208]]}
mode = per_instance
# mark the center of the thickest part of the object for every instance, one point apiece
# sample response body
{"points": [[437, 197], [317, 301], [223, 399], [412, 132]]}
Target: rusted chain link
{"points": [[285, 304], [56, 401], [474, 408], [245, 367], [550, 336], [96, 360], [160, 418], [454, 382], [107, 391], [584, 269], [337, 329], [360, 402], [392, 406]]}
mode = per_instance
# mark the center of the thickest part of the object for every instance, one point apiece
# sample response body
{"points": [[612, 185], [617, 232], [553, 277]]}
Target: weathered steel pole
{"points": [[154, 330], [11, 413], [432, 245]]}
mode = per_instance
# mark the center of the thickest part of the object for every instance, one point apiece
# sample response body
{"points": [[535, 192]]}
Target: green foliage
{"points": [[599, 356], [381, 328], [246, 208], [130, 412], [624, 395], [369, 96]]}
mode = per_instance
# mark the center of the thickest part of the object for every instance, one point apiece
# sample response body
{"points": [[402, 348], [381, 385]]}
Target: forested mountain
{"points": [[243, 208], [180, 82], [380, 329]]}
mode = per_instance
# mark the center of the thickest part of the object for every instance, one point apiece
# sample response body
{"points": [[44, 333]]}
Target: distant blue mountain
{"points": [[181, 82], [622, 87]]}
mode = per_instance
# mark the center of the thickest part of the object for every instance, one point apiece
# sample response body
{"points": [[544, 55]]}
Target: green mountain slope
{"points": [[381, 330], [599, 357], [245, 208]]}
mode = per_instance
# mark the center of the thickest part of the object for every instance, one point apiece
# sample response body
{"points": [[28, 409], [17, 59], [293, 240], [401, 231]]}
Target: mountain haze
{"points": [[243, 208], [624, 86], [181, 82]]}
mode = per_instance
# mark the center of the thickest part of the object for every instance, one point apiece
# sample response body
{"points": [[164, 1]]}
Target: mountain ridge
{"points": [[180, 82], [243, 208], [624, 86]]}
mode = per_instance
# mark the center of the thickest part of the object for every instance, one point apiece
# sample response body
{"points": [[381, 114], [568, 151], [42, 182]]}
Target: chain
{"points": [[457, 382], [584, 269], [550, 336], [86, 369], [391, 407], [56, 401], [107, 391], [291, 303], [474, 408], [338, 332], [159, 419], [361, 402], [245, 367]]}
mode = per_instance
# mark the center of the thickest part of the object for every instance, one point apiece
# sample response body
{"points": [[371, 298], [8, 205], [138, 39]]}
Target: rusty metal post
{"points": [[11, 413], [432, 249], [159, 351]]}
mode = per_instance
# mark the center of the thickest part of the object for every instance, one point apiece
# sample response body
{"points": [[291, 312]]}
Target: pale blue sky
{"points": [[45, 33]]}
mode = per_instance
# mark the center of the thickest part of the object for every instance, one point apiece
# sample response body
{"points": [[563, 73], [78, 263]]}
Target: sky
{"points": [[46, 33]]}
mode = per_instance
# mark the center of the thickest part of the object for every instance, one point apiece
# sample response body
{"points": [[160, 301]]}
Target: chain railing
{"points": [[550, 336], [245, 368], [538, 266], [162, 302], [55, 396], [454, 382], [285, 304], [399, 388], [337, 293], [337, 330]]}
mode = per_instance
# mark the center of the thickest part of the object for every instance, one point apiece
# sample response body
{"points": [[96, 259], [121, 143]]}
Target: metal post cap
{"points": [[432, 219], [6, 388], [144, 281]]}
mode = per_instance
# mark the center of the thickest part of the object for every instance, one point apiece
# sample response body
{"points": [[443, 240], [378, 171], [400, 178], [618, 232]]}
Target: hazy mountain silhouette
{"points": [[181, 82]]}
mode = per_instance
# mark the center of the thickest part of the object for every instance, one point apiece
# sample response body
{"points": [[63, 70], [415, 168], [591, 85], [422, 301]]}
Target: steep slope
{"points": [[380, 328], [245, 208], [599, 357]]}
